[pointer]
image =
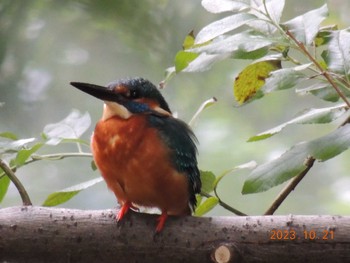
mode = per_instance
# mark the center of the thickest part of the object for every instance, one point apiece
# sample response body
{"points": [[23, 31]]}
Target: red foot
{"points": [[161, 221], [123, 210]]}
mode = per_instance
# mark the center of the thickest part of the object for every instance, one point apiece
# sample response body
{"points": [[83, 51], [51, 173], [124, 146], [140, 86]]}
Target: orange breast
{"points": [[136, 165]]}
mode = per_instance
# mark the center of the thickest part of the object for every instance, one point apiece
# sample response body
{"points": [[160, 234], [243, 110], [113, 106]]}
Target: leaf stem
{"points": [[290, 187], [225, 205], [314, 61], [343, 82], [267, 11], [79, 148], [51, 157], [11, 175], [58, 156]]}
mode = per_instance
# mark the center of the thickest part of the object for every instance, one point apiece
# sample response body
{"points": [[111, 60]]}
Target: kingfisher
{"points": [[146, 156]]}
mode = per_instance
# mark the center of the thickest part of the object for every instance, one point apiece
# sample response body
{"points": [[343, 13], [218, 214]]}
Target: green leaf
{"points": [[306, 26], [292, 162], [93, 165], [58, 198], [204, 62], [263, 9], [284, 78], [207, 179], [4, 185], [323, 91], [223, 26], [66, 194], [220, 6], [199, 199], [327, 93], [246, 41], [9, 135], [252, 55], [183, 59], [331, 145], [15, 145], [338, 55], [23, 155], [310, 116], [252, 78], [206, 206], [274, 9], [323, 38], [71, 127]]}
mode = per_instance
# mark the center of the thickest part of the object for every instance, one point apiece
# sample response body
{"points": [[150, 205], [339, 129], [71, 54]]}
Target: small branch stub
{"points": [[225, 253]]}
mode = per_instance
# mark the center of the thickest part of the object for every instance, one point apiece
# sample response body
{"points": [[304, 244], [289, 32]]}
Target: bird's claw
{"points": [[161, 221]]}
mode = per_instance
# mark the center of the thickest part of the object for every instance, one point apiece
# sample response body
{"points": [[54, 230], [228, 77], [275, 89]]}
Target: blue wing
{"points": [[181, 140]]}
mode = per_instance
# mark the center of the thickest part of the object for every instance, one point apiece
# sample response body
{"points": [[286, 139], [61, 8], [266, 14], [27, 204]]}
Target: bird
{"points": [[147, 157]]}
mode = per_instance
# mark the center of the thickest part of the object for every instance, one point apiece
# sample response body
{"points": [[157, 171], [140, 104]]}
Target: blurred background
{"points": [[46, 44]]}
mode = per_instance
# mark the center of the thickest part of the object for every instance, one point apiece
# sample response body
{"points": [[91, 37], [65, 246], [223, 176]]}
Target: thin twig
{"points": [[22, 191], [226, 206], [290, 187], [201, 108], [315, 62]]}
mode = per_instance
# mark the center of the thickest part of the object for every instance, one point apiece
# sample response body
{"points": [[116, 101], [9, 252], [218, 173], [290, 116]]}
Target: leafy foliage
{"points": [[309, 116], [66, 194], [71, 127], [293, 161], [296, 54], [338, 54], [306, 26], [21, 152], [209, 185]]}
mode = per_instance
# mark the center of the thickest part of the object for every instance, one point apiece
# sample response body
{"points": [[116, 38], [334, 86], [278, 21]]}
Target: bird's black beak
{"points": [[99, 92]]}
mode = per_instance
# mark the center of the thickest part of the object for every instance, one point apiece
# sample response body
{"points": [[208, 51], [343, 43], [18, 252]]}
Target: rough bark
{"points": [[38, 234]]}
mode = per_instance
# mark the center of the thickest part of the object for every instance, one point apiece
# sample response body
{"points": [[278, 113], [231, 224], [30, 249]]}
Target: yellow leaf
{"points": [[189, 41], [252, 78]]}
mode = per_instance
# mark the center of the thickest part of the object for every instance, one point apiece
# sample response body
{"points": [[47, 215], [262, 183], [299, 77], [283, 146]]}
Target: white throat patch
{"points": [[111, 109]]}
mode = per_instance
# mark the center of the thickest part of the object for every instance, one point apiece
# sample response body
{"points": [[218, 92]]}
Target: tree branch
{"points": [[39, 234], [22, 191], [290, 187]]}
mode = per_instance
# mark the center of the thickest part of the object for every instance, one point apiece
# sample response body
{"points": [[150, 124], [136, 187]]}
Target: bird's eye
{"points": [[133, 94]]}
